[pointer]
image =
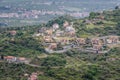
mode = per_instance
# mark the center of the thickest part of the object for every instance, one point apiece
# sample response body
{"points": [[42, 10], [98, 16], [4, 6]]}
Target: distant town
{"points": [[38, 13], [43, 11]]}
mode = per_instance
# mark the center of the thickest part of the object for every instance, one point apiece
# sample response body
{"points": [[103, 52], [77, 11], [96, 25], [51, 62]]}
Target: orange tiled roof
{"points": [[9, 57], [22, 58]]}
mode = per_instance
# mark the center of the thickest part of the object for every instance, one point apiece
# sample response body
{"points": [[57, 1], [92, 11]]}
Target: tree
{"points": [[117, 7], [2, 56], [53, 61], [92, 15]]}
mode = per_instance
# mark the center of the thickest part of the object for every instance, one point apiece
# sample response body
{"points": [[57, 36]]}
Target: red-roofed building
{"points": [[13, 32], [53, 46], [81, 40], [66, 24], [112, 39], [21, 60], [97, 47], [48, 39], [33, 76], [96, 41], [10, 58]]}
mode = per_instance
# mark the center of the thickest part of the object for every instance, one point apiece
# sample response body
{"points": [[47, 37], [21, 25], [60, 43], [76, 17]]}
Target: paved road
{"points": [[93, 51], [33, 65], [59, 51], [81, 50]]}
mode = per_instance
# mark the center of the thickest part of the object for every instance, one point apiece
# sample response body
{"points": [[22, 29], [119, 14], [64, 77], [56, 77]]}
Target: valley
{"points": [[26, 12]]}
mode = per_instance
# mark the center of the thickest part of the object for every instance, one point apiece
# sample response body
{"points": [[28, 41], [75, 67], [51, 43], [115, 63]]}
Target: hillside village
{"points": [[58, 39], [63, 49]]}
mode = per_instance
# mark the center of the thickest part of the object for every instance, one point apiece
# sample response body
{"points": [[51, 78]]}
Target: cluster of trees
{"points": [[21, 44], [60, 20], [96, 67], [107, 29], [53, 61], [9, 71]]}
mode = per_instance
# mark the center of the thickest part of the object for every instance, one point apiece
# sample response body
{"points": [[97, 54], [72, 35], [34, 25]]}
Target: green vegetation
{"points": [[97, 26], [72, 65], [84, 66], [53, 61], [22, 44]]}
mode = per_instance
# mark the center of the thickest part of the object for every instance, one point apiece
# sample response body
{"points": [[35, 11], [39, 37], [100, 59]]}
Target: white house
{"points": [[55, 26]]}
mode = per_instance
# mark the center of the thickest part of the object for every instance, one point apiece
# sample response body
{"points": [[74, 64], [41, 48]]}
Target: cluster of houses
{"points": [[13, 59], [66, 37], [33, 76], [54, 35], [55, 31], [99, 42]]}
